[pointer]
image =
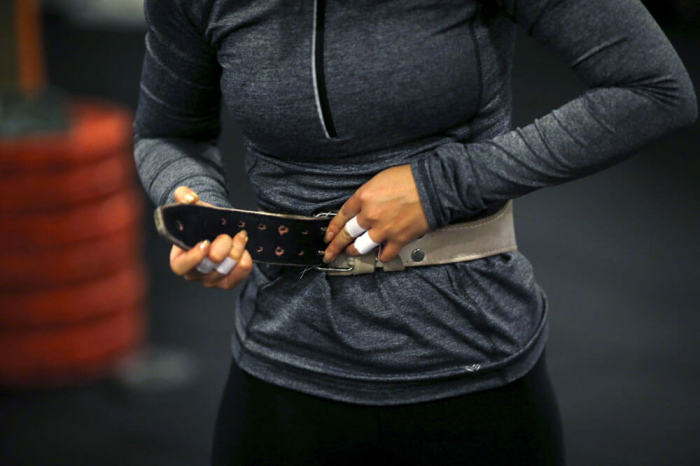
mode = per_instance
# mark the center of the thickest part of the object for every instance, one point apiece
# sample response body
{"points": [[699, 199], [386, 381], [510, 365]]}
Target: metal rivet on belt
{"points": [[417, 255]]}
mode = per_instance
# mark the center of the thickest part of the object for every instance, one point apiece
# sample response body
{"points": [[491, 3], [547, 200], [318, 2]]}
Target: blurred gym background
{"points": [[616, 252]]}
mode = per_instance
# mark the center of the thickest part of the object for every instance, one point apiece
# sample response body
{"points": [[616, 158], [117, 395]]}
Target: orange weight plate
{"points": [[72, 224], [56, 355], [73, 303], [61, 187], [42, 268], [97, 130]]}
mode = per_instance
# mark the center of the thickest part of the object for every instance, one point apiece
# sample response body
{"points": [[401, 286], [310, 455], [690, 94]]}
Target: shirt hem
{"points": [[359, 390]]}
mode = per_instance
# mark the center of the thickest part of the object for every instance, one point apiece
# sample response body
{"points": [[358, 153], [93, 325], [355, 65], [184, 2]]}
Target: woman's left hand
{"points": [[388, 206]]}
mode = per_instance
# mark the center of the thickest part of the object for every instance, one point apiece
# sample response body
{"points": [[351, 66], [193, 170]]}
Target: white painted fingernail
{"points": [[206, 265], [226, 265]]}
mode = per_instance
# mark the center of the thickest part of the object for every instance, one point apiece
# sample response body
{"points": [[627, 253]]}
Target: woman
{"points": [[398, 114]]}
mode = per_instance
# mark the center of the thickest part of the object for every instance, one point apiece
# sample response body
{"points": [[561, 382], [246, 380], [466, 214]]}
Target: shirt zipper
{"points": [[322, 106]]}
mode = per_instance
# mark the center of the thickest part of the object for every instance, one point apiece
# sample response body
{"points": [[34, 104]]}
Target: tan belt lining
{"points": [[458, 242]]}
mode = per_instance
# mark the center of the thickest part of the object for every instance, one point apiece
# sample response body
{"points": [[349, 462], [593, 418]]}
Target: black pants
{"points": [[263, 424]]}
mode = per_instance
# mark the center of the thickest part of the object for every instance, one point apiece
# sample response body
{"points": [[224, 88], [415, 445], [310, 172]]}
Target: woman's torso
{"points": [[327, 94]]}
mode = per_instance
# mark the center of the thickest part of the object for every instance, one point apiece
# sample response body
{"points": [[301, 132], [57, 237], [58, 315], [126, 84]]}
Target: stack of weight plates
{"points": [[72, 285]]}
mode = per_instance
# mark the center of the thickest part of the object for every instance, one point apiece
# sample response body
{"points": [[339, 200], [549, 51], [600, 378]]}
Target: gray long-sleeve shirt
{"points": [[327, 94]]}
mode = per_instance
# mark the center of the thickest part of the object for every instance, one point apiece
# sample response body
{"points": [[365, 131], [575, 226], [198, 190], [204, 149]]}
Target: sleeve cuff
{"points": [[428, 196], [213, 196], [446, 180]]}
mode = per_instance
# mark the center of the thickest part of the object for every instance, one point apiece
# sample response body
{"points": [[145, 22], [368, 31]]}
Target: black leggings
{"points": [[263, 424]]}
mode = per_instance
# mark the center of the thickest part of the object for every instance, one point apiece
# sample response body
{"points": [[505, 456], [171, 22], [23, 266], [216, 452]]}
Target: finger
{"points": [[342, 239], [186, 261], [365, 242], [206, 266], [239, 241], [349, 209], [229, 265], [376, 233], [212, 278], [220, 248], [175, 251], [184, 194], [239, 273], [390, 250], [219, 263]]}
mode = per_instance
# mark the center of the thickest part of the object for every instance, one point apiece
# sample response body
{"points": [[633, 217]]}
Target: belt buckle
{"points": [[334, 269], [330, 268]]}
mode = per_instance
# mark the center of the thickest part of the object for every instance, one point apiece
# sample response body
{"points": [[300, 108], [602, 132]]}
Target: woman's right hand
{"points": [[210, 263]]}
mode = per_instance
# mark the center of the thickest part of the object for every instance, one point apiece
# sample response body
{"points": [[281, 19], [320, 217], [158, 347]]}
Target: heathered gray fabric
{"points": [[419, 82]]}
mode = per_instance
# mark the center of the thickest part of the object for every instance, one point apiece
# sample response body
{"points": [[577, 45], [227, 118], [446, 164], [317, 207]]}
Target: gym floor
{"points": [[616, 252]]}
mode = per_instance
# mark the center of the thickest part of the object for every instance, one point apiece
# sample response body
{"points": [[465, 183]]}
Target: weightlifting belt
{"points": [[297, 240]]}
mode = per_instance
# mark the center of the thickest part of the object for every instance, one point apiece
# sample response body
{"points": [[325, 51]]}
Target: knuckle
{"points": [[372, 214], [401, 238], [382, 232], [343, 236]]}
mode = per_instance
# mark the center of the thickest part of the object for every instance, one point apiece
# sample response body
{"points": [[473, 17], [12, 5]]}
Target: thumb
{"points": [[184, 195]]}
